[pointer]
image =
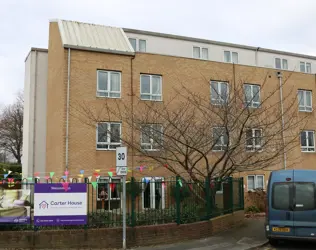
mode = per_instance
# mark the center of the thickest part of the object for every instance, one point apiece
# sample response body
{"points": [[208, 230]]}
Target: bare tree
{"points": [[196, 136], [11, 128]]}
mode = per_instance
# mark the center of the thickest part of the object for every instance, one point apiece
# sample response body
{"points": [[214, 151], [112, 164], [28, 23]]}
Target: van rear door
{"points": [[281, 204], [304, 204]]}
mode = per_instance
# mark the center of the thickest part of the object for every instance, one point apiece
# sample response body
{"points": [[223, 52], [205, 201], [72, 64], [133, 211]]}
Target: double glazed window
{"points": [[255, 182], [220, 138], [305, 67], [253, 139], [219, 93], [138, 44], [252, 95], [200, 53], [109, 192], [151, 137], [284, 195], [108, 135], [307, 141], [281, 63], [305, 100], [230, 57], [151, 87], [108, 84]]}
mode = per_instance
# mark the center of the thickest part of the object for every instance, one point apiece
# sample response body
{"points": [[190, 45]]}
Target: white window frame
{"points": [[254, 147], [152, 192], [137, 43], [109, 143], [108, 91], [231, 56], [255, 177], [252, 102], [304, 107], [219, 101], [108, 181], [282, 63], [305, 67], [150, 144], [222, 145], [201, 52], [150, 86], [307, 147]]}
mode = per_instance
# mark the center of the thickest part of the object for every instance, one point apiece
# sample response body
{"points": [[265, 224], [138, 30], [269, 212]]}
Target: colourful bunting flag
{"points": [[97, 170], [96, 174], [89, 178], [51, 174], [65, 185], [29, 178], [46, 177], [9, 172], [81, 171], [94, 184], [166, 166], [80, 175], [5, 176], [147, 181], [129, 170], [66, 172], [112, 186], [110, 174], [180, 182]]}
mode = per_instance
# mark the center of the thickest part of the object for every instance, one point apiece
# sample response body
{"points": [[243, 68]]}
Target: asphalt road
{"points": [[290, 245]]}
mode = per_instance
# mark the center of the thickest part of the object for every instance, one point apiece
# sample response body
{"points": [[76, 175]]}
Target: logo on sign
{"points": [[43, 205]]}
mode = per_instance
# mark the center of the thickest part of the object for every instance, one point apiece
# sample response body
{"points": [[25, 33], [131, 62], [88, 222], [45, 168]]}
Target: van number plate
{"points": [[281, 229]]}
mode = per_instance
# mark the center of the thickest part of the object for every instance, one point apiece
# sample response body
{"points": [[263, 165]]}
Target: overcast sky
{"points": [[276, 24]]}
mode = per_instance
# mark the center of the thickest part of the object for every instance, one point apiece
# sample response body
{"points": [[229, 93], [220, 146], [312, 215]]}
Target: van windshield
{"points": [[281, 193]]}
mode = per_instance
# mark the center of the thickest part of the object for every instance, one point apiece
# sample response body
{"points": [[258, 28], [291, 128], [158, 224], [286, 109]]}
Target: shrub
{"points": [[252, 209]]}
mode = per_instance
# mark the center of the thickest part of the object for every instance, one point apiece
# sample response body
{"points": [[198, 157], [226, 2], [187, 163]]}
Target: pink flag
{"points": [[65, 185]]}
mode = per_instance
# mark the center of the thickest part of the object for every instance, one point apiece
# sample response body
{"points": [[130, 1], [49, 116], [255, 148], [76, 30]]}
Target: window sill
{"points": [[309, 152], [106, 149], [150, 100], [109, 97], [305, 111]]}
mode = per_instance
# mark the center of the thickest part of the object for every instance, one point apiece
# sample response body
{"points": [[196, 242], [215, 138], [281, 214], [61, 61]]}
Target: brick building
{"points": [[87, 65]]}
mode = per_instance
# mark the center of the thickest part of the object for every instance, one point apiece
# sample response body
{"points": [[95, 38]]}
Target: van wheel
{"points": [[273, 242]]}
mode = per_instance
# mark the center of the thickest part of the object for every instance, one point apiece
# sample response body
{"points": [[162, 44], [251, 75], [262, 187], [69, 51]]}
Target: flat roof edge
{"points": [[119, 52], [35, 49]]}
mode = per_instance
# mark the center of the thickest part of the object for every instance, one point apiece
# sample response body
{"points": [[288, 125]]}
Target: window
{"points": [[109, 192], [304, 196], [153, 196], [108, 84], [220, 137], [307, 141], [140, 42], [108, 135], [133, 43], [281, 63], [305, 67], [151, 87], [200, 53], [219, 93], [281, 196], [230, 57], [151, 137], [252, 95], [305, 100], [253, 139], [255, 182]]}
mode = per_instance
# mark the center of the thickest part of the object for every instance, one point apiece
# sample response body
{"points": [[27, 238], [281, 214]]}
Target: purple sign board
{"points": [[15, 206], [59, 204]]}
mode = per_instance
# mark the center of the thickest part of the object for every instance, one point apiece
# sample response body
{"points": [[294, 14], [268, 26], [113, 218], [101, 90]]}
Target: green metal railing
{"points": [[152, 201]]}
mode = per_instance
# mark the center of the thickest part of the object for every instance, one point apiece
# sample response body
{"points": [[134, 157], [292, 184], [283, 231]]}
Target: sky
{"points": [[276, 24]]}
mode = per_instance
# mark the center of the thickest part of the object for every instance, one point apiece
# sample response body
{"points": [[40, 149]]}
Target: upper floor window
{"points": [[200, 53], [108, 135], [307, 141], [230, 57], [151, 87], [252, 95], [219, 93], [253, 139], [305, 67], [281, 64], [220, 138], [138, 44], [108, 84], [305, 100], [151, 137]]}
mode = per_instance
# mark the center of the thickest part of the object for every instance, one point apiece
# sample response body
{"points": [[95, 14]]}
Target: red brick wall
{"points": [[112, 237]]}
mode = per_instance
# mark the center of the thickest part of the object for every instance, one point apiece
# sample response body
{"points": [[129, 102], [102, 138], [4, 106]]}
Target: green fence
{"points": [[151, 201]]}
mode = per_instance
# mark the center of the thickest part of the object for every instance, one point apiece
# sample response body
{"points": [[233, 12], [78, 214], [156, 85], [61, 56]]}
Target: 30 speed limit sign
{"points": [[121, 157]]}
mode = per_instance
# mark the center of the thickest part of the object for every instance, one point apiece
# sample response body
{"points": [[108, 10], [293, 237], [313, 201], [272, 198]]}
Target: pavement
{"points": [[289, 245], [248, 236]]}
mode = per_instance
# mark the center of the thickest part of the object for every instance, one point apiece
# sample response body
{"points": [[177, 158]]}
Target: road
{"points": [[291, 245]]}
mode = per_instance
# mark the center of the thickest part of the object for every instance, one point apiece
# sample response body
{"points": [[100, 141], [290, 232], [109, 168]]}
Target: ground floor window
{"points": [[153, 196], [109, 193], [255, 182]]}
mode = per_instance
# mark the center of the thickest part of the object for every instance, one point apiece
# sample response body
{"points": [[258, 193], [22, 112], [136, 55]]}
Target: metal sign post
{"points": [[121, 170]]}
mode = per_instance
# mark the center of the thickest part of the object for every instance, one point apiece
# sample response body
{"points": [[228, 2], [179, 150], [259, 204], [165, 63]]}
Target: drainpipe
{"points": [[132, 102], [67, 112], [257, 56], [280, 76]]}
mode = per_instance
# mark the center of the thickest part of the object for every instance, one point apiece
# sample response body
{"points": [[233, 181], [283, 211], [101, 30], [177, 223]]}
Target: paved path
{"points": [[251, 234], [290, 245]]}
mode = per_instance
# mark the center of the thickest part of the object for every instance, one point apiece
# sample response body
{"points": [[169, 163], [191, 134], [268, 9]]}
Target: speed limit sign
{"points": [[121, 157]]}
